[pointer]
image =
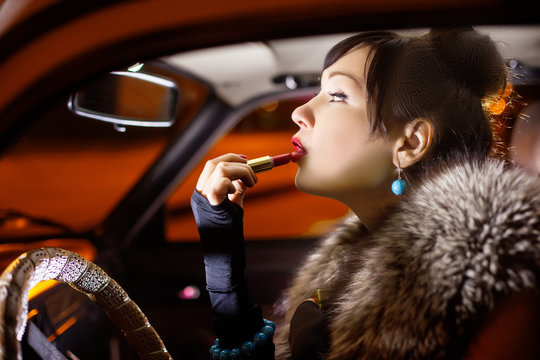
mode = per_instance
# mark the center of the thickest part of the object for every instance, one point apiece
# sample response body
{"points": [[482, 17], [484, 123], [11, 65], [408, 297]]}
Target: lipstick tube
{"points": [[266, 163], [261, 164]]}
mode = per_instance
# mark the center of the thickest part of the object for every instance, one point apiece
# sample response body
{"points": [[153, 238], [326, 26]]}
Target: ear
{"points": [[413, 143]]}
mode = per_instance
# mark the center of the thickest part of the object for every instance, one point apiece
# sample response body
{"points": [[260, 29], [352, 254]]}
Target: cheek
{"points": [[370, 165], [344, 162]]}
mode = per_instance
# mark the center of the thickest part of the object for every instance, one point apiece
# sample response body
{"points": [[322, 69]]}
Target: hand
{"points": [[226, 176]]}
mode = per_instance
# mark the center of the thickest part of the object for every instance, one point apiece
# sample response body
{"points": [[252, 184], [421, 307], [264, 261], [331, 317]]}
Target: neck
{"points": [[371, 208]]}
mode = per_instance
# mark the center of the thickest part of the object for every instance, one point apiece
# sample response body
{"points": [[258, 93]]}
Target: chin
{"points": [[303, 185]]}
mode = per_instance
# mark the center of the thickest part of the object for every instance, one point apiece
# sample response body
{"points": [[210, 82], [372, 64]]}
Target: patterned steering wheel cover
{"points": [[68, 267]]}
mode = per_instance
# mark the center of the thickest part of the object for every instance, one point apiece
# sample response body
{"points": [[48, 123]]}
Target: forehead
{"points": [[353, 63]]}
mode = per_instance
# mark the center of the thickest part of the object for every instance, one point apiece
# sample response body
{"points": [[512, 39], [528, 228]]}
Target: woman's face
{"points": [[342, 159]]}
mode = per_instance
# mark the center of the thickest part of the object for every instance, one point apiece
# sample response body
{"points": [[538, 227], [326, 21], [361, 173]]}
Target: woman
{"points": [[418, 275]]}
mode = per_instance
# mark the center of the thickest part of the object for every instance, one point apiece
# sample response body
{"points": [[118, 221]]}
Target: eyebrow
{"points": [[336, 73]]}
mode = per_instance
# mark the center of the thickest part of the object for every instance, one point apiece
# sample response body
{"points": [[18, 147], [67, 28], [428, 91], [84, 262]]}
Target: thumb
{"points": [[238, 196]]}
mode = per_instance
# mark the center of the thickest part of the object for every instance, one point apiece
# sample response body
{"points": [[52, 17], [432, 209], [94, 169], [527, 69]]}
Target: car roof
{"points": [[241, 72]]}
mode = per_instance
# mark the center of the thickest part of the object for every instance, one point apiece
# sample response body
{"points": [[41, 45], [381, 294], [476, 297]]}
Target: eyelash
{"points": [[340, 96]]}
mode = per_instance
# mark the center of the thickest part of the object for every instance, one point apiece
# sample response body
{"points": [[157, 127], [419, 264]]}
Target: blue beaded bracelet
{"points": [[248, 348]]}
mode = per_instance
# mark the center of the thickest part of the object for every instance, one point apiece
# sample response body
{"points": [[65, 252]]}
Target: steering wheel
{"points": [[68, 267]]}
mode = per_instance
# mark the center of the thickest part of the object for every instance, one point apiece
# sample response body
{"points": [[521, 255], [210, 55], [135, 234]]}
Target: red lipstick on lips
{"points": [[300, 151]]}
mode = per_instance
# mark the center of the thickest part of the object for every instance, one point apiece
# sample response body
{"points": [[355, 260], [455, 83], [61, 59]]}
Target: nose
{"points": [[303, 116]]}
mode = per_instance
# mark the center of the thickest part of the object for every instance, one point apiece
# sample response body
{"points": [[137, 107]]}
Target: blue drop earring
{"points": [[399, 186]]}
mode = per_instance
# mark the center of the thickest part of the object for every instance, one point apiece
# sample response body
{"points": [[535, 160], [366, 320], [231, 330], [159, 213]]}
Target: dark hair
{"points": [[441, 76]]}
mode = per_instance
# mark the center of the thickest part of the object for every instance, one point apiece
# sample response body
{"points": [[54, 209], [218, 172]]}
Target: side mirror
{"points": [[127, 98]]}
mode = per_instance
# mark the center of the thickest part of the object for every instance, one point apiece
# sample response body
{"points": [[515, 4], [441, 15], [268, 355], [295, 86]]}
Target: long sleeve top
{"points": [[236, 318]]}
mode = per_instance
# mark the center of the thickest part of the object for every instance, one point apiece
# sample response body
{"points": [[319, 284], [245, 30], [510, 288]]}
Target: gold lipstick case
{"points": [[261, 164]]}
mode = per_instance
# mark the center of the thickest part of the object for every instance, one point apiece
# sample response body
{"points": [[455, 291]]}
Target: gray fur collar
{"points": [[419, 286]]}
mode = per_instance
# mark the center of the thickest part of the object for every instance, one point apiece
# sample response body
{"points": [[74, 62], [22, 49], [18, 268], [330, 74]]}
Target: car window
{"points": [[68, 172]]}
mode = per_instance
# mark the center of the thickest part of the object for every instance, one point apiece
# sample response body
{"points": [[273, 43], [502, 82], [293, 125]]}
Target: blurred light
{"points": [[32, 313], [498, 107], [190, 292], [291, 82], [41, 287], [69, 323], [18, 223], [513, 64], [136, 67], [270, 107], [120, 128]]}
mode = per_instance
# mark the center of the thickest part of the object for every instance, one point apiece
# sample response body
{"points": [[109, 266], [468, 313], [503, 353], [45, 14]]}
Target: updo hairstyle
{"points": [[441, 76]]}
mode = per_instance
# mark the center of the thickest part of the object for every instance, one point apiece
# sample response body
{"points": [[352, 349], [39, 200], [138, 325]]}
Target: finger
{"points": [[211, 165], [240, 191], [228, 178], [219, 191], [235, 171]]}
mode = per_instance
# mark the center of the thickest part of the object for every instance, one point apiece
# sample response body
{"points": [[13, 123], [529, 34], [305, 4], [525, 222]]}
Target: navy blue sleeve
{"points": [[222, 237], [220, 227]]}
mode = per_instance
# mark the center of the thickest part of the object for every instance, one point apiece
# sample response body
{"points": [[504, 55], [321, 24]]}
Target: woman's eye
{"points": [[337, 96]]}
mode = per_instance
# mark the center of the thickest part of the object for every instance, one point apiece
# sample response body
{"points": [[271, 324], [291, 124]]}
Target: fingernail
{"points": [[242, 156]]}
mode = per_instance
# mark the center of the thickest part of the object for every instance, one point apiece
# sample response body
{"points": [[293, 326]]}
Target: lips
{"points": [[300, 151]]}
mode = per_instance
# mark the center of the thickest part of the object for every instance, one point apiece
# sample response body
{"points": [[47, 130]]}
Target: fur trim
{"points": [[420, 286]]}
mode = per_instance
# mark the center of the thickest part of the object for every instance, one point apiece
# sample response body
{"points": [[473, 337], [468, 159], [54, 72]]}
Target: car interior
{"points": [[108, 168]]}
